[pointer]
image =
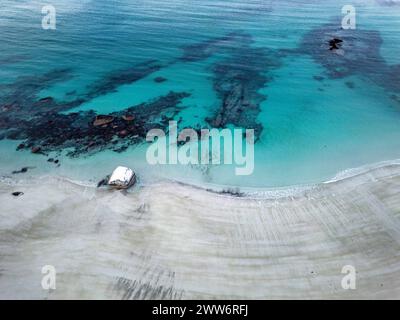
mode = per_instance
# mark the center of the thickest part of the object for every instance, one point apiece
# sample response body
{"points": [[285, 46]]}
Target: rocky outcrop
{"points": [[102, 120]]}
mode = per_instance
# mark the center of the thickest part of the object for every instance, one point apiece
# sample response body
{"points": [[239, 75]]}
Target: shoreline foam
{"points": [[246, 192]]}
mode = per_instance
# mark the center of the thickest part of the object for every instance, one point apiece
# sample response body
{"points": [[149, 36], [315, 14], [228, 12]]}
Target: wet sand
{"points": [[173, 241]]}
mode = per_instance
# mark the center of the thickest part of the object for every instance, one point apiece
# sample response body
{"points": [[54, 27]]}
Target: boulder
{"points": [[122, 178], [128, 117], [160, 79], [334, 44], [123, 133], [36, 149], [102, 120]]}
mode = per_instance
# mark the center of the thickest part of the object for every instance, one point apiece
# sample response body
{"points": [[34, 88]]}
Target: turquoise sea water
{"points": [[314, 125]]}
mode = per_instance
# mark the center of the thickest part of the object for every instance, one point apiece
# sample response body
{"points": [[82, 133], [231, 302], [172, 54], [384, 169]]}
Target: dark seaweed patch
{"points": [[237, 79], [24, 116], [129, 75], [319, 78], [237, 82], [358, 53], [20, 99], [21, 96], [23, 170], [160, 79], [11, 59], [54, 131], [204, 50], [388, 3]]}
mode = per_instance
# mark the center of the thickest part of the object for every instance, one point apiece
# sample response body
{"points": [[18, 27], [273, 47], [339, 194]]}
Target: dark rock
{"points": [[103, 182], [350, 84], [319, 78], [46, 99], [36, 149], [235, 192], [128, 117], [123, 133], [50, 160], [17, 193], [23, 170], [102, 120], [334, 44], [9, 107], [159, 79], [120, 149]]}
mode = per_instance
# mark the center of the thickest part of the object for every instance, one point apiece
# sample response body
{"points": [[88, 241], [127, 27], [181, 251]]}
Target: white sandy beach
{"points": [[172, 241]]}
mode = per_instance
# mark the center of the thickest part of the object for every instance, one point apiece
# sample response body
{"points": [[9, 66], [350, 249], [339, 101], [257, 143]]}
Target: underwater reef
{"points": [[38, 121], [237, 78], [388, 3], [238, 74], [345, 53], [86, 132], [237, 81], [120, 77], [43, 128], [204, 50]]}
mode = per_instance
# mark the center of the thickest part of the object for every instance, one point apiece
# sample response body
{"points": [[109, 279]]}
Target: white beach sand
{"points": [[171, 241]]}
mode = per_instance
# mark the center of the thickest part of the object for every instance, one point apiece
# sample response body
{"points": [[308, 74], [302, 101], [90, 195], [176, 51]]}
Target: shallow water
{"points": [[312, 128]]}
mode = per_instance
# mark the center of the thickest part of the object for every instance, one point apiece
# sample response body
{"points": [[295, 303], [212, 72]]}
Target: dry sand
{"points": [[172, 241]]}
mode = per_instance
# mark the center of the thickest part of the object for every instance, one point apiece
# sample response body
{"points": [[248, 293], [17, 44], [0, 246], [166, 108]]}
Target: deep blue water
{"points": [[314, 119]]}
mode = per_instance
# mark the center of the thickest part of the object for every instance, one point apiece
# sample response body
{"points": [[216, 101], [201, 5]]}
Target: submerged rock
{"points": [[36, 149], [123, 133], [237, 82], [350, 84], [159, 79], [47, 101], [357, 52], [23, 170], [117, 78], [203, 50], [389, 3], [102, 120], [319, 78], [128, 117], [334, 44], [55, 131], [103, 182]]}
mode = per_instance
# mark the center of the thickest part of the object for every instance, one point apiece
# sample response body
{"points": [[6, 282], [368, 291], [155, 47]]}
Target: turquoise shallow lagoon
{"points": [[315, 120]]}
